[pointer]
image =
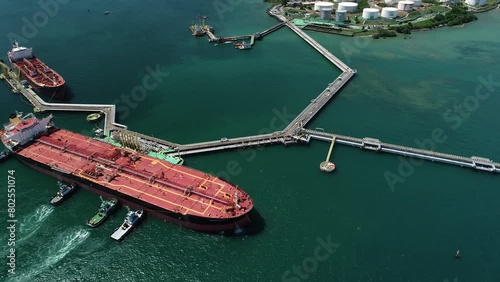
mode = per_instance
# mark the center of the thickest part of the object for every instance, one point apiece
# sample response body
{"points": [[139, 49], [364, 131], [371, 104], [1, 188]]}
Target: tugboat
{"points": [[63, 193], [4, 155], [104, 211], [243, 46], [130, 222]]}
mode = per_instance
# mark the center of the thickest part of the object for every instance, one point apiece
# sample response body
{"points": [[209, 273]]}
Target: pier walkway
{"points": [[318, 103], [272, 29], [478, 163], [257, 35], [211, 36], [108, 110]]}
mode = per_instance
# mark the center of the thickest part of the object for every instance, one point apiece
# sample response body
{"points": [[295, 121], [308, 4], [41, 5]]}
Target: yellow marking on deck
{"points": [[184, 172], [154, 162], [156, 186]]}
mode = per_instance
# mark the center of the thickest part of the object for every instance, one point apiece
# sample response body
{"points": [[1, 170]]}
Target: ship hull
{"points": [[187, 221], [58, 92]]}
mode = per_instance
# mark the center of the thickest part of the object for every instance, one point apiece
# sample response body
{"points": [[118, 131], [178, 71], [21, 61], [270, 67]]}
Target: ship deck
{"points": [[43, 76], [172, 187]]}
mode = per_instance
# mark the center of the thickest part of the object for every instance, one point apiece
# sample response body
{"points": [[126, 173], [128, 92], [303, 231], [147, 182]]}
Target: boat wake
{"points": [[59, 248], [30, 224]]}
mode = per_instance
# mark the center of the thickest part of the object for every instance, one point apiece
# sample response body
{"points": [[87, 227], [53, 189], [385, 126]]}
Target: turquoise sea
{"points": [[350, 225]]}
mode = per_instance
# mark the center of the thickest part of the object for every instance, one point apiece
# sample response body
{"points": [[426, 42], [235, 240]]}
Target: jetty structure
{"points": [[208, 30], [294, 132]]}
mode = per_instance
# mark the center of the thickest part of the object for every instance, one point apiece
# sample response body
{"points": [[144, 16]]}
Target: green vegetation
{"points": [[383, 33], [363, 4], [437, 9], [456, 16], [282, 2], [405, 29], [292, 10]]}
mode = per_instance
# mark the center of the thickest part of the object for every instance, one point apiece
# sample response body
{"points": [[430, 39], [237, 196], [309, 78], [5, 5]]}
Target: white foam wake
{"points": [[30, 224], [56, 251]]}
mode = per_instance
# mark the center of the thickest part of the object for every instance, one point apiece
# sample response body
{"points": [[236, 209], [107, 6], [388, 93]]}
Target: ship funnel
{"points": [[13, 118]]}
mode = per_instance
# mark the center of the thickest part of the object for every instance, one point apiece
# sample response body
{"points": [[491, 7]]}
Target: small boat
{"points": [[63, 193], [4, 155], [38, 110], [105, 210], [243, 46], [94, 117], [131, 220], [106, 12]]}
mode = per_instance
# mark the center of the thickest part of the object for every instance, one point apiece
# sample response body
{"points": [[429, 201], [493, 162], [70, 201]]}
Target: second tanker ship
{"points": [[176, 193], [44, 80]]}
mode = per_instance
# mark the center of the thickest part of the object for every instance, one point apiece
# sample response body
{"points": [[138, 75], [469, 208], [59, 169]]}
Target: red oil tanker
{"points": [[184, 196], [44, 80]]}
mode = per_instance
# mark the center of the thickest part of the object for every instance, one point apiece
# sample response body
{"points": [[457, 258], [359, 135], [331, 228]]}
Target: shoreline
{"points": [[273, 4]]}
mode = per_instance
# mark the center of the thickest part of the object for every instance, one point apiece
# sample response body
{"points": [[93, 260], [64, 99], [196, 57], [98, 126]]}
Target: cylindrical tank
{"points": [[475, 2], [417, 3], [320, 6], [325, 15], [340, 16], [405, 5], [325, 9], [389, 12], [370, 13], [348, 6]]}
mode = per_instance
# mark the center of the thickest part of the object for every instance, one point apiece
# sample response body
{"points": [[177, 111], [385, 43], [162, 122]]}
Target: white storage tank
{"points": [[417, 3], [475, 2], [370, 13], [348, 6], [391, 2], [340, 16], [389, 12], [325, 9], [405, 5], [318, 6]]}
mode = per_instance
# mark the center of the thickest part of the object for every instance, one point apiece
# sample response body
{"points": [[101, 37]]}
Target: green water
{"points": [[402, 90]]}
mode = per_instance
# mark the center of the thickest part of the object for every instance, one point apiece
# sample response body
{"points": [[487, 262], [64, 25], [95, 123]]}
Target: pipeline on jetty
{"points": [[478, 163], [108, 110], [252, 38], [293, 133]]}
